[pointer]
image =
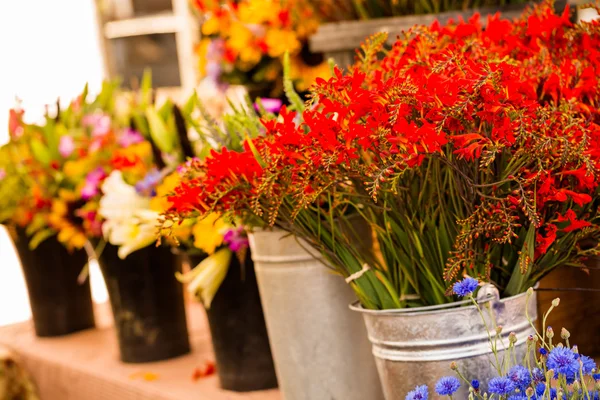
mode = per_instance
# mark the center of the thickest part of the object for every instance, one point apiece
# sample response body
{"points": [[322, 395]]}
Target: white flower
{"points": [[130, 223], [206, 278]]}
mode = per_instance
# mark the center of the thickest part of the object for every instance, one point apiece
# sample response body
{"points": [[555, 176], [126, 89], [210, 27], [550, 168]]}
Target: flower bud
{"points": [[576, 386], [453, 366], [549, 332], [556, 302], [564, 334], [498, 329], [549, 375], [529, 291], [575, 349], [512, 338], [529, 392]]}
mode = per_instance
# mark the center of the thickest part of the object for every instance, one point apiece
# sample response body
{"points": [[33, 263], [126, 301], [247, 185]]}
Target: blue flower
{"points": [[447, 386], [538, 375], [563, 362], [588, 365], [543, 351], [518, 396], [420, 393], [596, 377], [540, 389], [501, 386], [475, 384], [465, 287], [520, 376]]}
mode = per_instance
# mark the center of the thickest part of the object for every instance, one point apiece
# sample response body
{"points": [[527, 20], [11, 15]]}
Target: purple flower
{"points": [[562, 360], [475, 384], [501, 386], [128, 137], [465, 287], [146, 186], [66, 146], [100, 123], [447, 386], [270, 105], [420, 393], [92, 182], [520, 376], [236, 239]]}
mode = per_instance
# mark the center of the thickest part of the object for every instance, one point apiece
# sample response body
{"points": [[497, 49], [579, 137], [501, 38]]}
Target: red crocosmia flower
{"points": [[578, 198], [584, 177], [544, 242], [574, 223]]}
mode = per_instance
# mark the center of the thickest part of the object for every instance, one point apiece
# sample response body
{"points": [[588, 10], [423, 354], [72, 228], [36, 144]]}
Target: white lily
{"points": [[206, 278], [130, 223]]}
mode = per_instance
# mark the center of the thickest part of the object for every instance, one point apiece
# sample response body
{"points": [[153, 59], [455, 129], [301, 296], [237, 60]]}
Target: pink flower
{"points": [[236, 239], [92, 183], [129, 136], [2, 173], [66, 146], [100, 123], [270, 105]]}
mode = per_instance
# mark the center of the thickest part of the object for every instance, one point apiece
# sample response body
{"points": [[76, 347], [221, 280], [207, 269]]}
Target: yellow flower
{"points": [[250, 56], [160, 202], [279, 41], [240, 37], [201, 52], [259, 11], [74, 169], [305, 75], [208, 233], [214, 25]]}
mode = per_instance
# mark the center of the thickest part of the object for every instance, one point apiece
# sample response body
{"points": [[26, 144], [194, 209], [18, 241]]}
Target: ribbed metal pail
{"points": [[320, 347], [416, 346]]}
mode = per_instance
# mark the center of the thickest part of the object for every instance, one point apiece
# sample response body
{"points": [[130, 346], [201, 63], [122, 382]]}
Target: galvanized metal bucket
{"points": [[416, 346], [320, 347]]}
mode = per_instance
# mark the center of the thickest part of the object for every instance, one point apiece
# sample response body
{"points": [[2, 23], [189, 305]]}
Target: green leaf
{"points": [[524, 266], [146, 89], [288, 86], [159, 131], [40, 151], [39, 237]]}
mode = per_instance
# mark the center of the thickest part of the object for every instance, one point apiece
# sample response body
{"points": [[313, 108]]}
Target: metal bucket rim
{"points": [[437, 309]]}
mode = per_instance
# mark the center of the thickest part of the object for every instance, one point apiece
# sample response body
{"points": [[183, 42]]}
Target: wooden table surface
{"points": [[85, 365]]}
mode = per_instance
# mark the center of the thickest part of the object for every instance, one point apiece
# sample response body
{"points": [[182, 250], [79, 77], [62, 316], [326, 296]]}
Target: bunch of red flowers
{"points": [[470, 150]]}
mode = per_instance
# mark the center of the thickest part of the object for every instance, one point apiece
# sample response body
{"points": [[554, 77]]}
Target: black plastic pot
{"points": [[238, 330], [147, 303], [59, 304]]}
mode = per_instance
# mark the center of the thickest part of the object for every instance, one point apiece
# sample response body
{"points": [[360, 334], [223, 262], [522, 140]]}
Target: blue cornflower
{"points": [[540, 389], [588, 365], [420, 393], [563, 362], [501, 386], [465, 287], [518, 396], [520, 376], [596, 377], [543, 351], [447, 386], [538, 375], [475, 384]]}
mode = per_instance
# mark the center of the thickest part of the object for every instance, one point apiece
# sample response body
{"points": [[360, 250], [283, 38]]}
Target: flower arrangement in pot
{"points": [[243, 43], [222, 276], [39, 206], [468, 151], [284, 269]]}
